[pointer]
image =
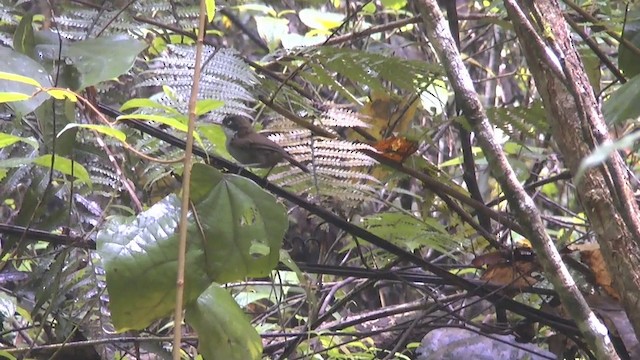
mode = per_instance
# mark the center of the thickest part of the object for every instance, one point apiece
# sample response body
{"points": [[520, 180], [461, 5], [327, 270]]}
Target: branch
{"points": [[593, 330], [560, 324]]}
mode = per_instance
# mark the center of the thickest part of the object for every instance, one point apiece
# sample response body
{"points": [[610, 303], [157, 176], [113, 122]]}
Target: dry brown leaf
{"points": [[595, 261], [396, 148]]}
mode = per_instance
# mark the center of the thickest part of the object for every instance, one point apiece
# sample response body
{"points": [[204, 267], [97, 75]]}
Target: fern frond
{"points": [[369, 69], [225, 77], [526, 120]]}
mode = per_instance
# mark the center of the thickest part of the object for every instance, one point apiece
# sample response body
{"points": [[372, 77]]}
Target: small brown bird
{"points": [[252, 149]]}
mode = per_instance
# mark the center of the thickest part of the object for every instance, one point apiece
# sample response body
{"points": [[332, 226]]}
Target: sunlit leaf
{"points": [[146, 103], [207, 105], [394, 4], [8, 139], [104, 129], [64, 166], [180, 125], [211, 9], [19, 78], [6, 97], [271, 29], [62, 94], [320, 20]]}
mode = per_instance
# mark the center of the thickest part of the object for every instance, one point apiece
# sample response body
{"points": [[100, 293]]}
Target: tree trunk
{"points": [[578, 127]]}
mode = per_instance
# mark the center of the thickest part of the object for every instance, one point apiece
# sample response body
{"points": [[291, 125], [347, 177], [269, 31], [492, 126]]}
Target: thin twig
{"points": [[186, 182]]}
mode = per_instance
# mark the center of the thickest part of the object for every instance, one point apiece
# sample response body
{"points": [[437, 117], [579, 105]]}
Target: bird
{"points": [[252, 149]]}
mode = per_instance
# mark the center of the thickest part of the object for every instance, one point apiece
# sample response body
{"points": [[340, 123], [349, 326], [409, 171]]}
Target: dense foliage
{"points": [[398, 244]]}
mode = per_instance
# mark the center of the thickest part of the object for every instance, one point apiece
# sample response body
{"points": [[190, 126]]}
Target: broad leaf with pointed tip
{"points": [[243, 224], [104, 58], [20, 64], [223, 329], [237, 232], [140, 258]]}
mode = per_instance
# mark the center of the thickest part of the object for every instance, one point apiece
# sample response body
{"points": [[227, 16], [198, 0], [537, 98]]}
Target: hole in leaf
{"points": [[258, 249]]}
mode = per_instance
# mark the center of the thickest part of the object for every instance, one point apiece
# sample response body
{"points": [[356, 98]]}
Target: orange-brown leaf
{"points": [[396, 148], [595, 261]]}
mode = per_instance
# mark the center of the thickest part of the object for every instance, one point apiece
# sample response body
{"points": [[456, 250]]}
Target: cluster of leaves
{"points": [[368, 98]]}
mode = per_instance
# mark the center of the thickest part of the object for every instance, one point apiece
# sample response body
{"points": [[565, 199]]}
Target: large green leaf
{"points": [[103, 58], [238, 233], [20, 64], [223, 329], [242, 223], [140, 257]]}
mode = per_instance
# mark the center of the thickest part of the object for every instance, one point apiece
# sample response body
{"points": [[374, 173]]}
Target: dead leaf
{"points": [[595, 261], [396, 148]]}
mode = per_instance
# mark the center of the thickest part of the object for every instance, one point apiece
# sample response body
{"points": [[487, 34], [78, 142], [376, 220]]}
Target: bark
{"points": [[578, 127], [594, 332]]}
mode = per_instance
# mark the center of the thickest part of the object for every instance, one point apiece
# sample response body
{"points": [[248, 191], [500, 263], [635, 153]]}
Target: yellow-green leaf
{"points": [[62, 94], [8, 139], [103, 129], [174, 123], [204, 106], [65, 166], [19, 78], [6, 97], [211, 9]]}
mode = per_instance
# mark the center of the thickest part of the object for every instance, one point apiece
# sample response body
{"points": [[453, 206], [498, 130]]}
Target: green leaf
{"points": [[211, 9], [623, 104], [103, 129], [7, 355], [271, 29], [179, 124], [147, 103], [22, 75], [207, 105], [65, 166], [23, 40], [62, 94], [140, 256], [234, 218], [223, 328], [408, 231], [52, 116], [19, 78], [104, 58], [601, 153], [246, 236], [627, 60], [394, 4], [320, 20], [216, 137], [263, 9], [7, 139], [6, 97]]}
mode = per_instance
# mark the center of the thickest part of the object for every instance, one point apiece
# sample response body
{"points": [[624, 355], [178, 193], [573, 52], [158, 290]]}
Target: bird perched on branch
{"points": [[252, 149]]}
